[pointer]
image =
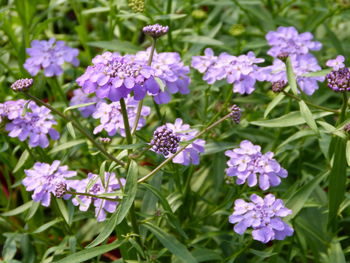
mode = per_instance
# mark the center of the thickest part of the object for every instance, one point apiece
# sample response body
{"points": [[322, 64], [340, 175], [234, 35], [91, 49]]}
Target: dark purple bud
{"points": [[164, 141], [283, 56], [278, 86], [155, 31], [235, 114], [347, 128], [105, 140], [60, 189], [339, 80], [22, 84]]}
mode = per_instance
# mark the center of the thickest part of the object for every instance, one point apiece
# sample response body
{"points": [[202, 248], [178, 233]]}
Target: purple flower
{"points": [[93, 185], [302, 65], [336, 63], [79, 97], [247, 163], [235, 114], [169, 68], [114, 76], [43, 179], [288, 40], [155, 30], [50, 56], [263, 216], [192, 151], [339, 80], [164, 141], [239, 71], [111, 117], [22, 84], [28, 120]]}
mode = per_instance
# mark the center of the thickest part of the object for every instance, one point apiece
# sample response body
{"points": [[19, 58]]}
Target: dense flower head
{"points": [[263, 215], [114, 76], [137, 6], [192, 151], [79, 97], [170, 69], [95, 186], [49, 56], [164, 141], [235, 113], [239, 71], [60, 189], [28, 120], [339, 80], [302, 64], [288, 40], [22, 84], [247, 163], [336, 63], [111, 118], [155, 30], [278, 86], [43, 179]]}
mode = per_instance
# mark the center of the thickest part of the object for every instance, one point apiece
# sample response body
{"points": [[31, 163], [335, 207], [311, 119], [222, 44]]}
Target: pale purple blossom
{"points": [[95, 186], [79, 97], [302, 65], [192, 151], [28, 120], [43, 179], [336, 63], [111, 118], [155, 30], [248, 164], [263, 216], [288, 40], [239, 71], [114, 76], [49, 56], [170, 69]]}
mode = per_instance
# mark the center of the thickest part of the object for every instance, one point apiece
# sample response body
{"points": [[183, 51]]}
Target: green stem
{"points": [[139, 106], [91, 195], [344, 107], [126, 122], [183, 148], [310, 103], [156, 106], [77, 126]]}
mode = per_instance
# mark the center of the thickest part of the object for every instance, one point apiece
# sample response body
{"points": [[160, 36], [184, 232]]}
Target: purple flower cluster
{"points": [[43, 179], [79, 97], [302, 64], [28, 120], [111, 117], [169, 68], [339, 80], [263, 216], [235, 113], [247, 163], [50, 56], [114, 76], [288, 40], [155, 30], [192, 151], [240, 71], [93, 185]]}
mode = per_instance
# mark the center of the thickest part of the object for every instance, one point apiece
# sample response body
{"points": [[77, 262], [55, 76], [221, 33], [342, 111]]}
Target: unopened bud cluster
{"points": [[235, 114], [278, 86], [165, 141], [339, 80], [22, 84], [60, 190], [155, 30], [138, 6]]}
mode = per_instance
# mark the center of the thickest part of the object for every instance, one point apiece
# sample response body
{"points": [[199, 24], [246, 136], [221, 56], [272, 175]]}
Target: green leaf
{"points": [[299, 198], [32, 210], [336, 254], [116, 45], [78, 106], [295, 136], [348, 152], [71, 130], [89, 253], [202, 40], [291, 76], [47, 225], [19, 209], [171, 243], [123, 208], [290, 119], [170, 16], [337, 180], [320, 73], [66, 145], [21, 161], [307, 115], [274, 103], [100, 9], [63, 210]]}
